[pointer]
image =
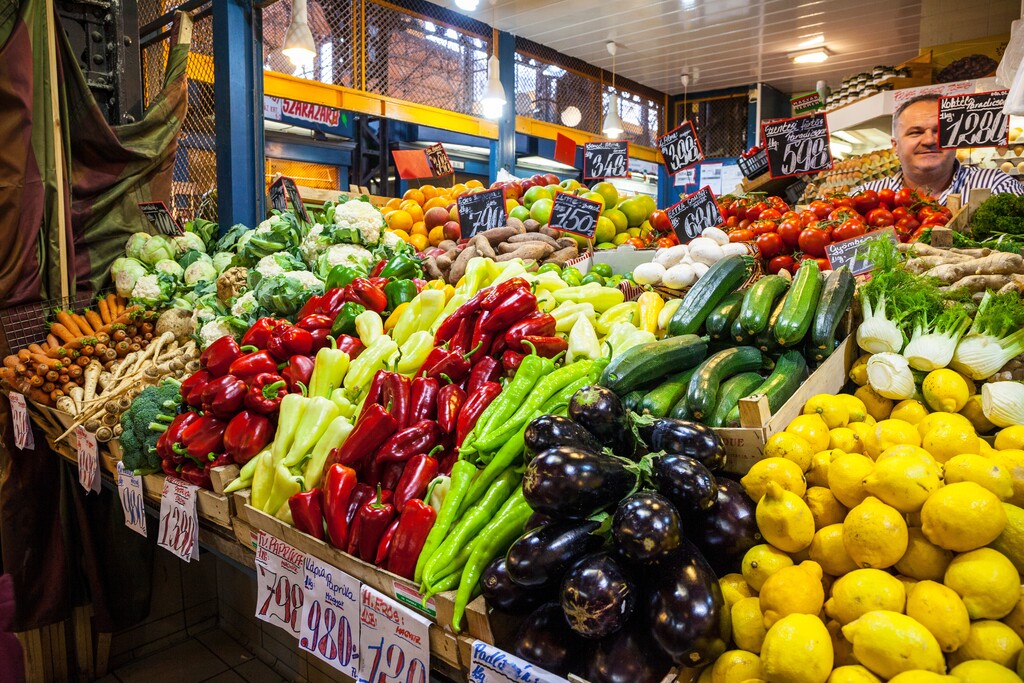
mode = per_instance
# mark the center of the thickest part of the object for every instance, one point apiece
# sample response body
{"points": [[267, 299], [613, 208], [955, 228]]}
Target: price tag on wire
{"points": [[129, 489], [492, 665], [280, 574], [88, 460], [23, 438], [329, 627], [393, 641], [179, 524]]}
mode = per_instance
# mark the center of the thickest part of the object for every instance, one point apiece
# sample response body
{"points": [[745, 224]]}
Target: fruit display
{"points": [[850, 172]]}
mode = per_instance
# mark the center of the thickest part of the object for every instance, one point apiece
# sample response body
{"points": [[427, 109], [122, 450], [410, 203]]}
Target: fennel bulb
{"points": [[996, 337], [878, 334], [932, 347], [1003, 403], [889, 374]]}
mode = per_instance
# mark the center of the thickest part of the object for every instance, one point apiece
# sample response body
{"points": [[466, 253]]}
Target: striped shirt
{"points": [[965, 178]]}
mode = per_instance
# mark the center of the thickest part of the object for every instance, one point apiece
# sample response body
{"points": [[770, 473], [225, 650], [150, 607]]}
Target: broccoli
{"points": [[143, 423]]}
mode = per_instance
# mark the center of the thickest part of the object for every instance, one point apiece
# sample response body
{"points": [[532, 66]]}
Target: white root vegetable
{"points": [[92, 376], [993, 264], [78, 396], [66, 404], [699, 269], [104, 434]]}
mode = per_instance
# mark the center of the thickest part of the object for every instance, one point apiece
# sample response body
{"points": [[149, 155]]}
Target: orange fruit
{"points": [[474, 183], [413, 209], [457, 189], [429, 191], [419, 228], [393, 203], [414, 195], [400, 221], [419, 241], [402, 234], [436, 203], [387, 210], [436, 235]]}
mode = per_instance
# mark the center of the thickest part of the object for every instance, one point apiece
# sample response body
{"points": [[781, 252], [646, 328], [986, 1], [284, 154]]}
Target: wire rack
{"points": [[30, 323]]}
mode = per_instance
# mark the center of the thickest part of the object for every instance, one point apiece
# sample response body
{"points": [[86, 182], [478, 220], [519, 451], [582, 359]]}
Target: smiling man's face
{"points": [[917, 143]]}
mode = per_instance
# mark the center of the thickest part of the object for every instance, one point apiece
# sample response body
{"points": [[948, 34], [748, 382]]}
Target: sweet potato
{"points": [[562, 255], [531, 225], [533, 237], [529, 251], [553, 233], [459, 266], [483, 246], [431, 269], [519, 225], [498, 235], [447, 244], [566, 242]]}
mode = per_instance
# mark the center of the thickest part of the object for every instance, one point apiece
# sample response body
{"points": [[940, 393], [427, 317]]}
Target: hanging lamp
{"points": [[299, 46], [612, 127], [492, 104]]}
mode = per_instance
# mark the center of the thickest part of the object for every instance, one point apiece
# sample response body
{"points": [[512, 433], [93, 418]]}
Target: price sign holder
{"points": [[575, 214], [23, 438], [755, 165], [179, 523], [284, 190], [129, 490], [606, 159], [280, 576], [973, 120], [680, 148], [481, 211], [394, 644], [491, 665], [797, 145], [854, 251], [440, 164], [161, 219], [693, 213], [329, 627], [88, 460]]}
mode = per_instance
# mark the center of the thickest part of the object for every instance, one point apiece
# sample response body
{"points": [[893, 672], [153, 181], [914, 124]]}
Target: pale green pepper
{"points": [[334, 437], [288, 417], [583, 342], [438, 489], [345, 406], [545, 301], [328, 372], [246, 474], [409, 319], [369, 327], [316, 418], [262, 479], [567, 313], [415, 352], [476, 275], [619, 313], [373, 358], [600, 296], [513, 268], [547, 281], [623, 336], [432, 305], [285, 486]]}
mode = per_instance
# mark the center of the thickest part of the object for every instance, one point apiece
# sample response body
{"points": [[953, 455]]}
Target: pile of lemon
{"points": [[893, 541]]}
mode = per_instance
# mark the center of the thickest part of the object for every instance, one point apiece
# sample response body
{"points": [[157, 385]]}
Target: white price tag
{"points": [[280, 574], [491, 665], [394, 644], [329, 627], [88, 460], [23, 438], [129, 488], [179, 525]]}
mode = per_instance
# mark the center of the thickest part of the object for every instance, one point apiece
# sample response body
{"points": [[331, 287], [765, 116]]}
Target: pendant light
{"points": [[299, 46], [492, 104], [612, 127]]}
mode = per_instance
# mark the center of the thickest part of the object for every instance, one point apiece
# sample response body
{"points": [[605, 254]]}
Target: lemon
{"points": [[923, 560], [812, 429], [859, 370], [903, 481], [762, 561], [797, 649], [889, 643], [817, 473], [1010, 437], [862, 591], [986, 581], [909, 410], [982, 471], [791, 447], [846, 477], [888, 433], [1020, 665], [875, 534], [904, 449], [991, 640], [827, 550], [941, 611], [918, 676], [736, 666], [1015, 619], [831, 410], [786, 473], [981, 671], [946, 441], [825, 508], [853, 673], [962, 516], [1011, 541], [984, 449], [932, 420], [1012, 460], [705, 675], [784, 519], [748, 624], [945, 390], [792, 590], [908, 583], [854, 407], [841, 648], [876, 405], [973, 412], [845, 439]]}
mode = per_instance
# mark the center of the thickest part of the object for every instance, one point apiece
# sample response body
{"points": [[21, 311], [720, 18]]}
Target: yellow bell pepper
{"points": [[415, 351], [396, 314], [601, 297], [667, 312], [436, 284], [567, 314], [449, 291], [650, 305], [626, 312]]}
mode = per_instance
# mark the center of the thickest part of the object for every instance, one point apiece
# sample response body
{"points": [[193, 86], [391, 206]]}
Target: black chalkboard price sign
{"points": [[157, 214], [284, 190], [680, 148], [798, 145], [694, 213], [575, 214], [481, 211], [975, 120], [854, 251], [754, 165], [607, 159], [440, 164]]}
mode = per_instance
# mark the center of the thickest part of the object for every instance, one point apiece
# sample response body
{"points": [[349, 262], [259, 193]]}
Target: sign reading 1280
{"points": [[481, 211], [975, 120], [575, 214], [607, 159], [690, 216], [680, 148], [798, 145]]}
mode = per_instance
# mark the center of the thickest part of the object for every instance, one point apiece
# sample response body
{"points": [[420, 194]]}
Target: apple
{"points": [[551, 179], [570, 185], [541, 210], [526, 185], [452, 230], [539, 179], [535, 193]]}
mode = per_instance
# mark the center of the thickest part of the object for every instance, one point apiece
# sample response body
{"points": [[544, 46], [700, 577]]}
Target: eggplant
{"points": [[544, 639], [627, 657], [682, 437], [683, 480], [541, 556], [574, 483], [597, 596], [726, 531], [646, 526], [549, 431], [601, 413], [537, 520], [685, 609], [502, 593]]}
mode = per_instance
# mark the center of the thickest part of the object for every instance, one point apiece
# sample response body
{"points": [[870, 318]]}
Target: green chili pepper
{"points": [[447, 583], [511, 397], [340, 276], [462, 476], [399, 292], [345, 321]]}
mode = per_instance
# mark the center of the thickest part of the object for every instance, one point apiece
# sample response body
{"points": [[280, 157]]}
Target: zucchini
{"points": [[836, 295], [731, 391], [659, 403], [766, 339], [785, 379], [631, 401], [722, 279], [721, 317], [736, 331], [760, 300], [800, 302], [702, 394], [680, 411], [647, 362]]}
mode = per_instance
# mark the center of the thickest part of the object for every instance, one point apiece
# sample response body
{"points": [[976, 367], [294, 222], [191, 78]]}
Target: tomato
{"points": [[636, 242], [848, 229], [880, 218], [807, 216], [666, 242], [790, 231], [906, 226], [906, 197], [887, 197], [843, 200], [778, 203], [770, 244], [744, 224], [899, 212], [754, 211], [660, 221], [823, 263], [741, 235], [865, 201], [790, 216], [770, 214], [842, 213], [781, 263], [819, 208], [812, 241], [738, 207], [731, 221], [761, 226]]}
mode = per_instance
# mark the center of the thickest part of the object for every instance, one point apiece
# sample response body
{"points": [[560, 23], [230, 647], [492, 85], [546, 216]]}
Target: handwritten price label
{"points": [[975, 120], [280, 575], [88, 460], [680, 148], [491, 665], [394, 644], [575, 214], [481, 211], [179, 525], [161, 219], [440, 164], [605, 160], [129, 489], [329, 626], [798, 145], [690, 216], [23, 438]]}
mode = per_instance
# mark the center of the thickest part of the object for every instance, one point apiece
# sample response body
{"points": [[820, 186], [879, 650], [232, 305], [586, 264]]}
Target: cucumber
{"points": [[760, 300], [631, 401], [659, 403], [766, 339], [785, 379], [702, 394], [836, 295], [731, 391], [798, 311], [736, 331], [722, 316], [647, 362], [721, 280]]}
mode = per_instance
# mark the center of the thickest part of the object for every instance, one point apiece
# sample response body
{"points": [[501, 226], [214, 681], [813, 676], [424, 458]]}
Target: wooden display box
{"points": [[210, 505]]}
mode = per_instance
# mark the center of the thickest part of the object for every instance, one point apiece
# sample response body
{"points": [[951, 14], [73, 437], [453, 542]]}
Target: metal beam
{"points": [[503, 150]]}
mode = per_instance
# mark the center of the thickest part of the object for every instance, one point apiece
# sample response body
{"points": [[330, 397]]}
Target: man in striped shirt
{"points": [[926, 167]]}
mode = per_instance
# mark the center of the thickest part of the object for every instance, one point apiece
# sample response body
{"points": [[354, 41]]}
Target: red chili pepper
{"points": [[481, 339], [308, 512], [423, 397], [386, 474], [384, 546], [350, 345], [192, 388], [449, 402], [450, 325], [379, 267], [339, 483], [315, 321], [537, 324], [372, 520], [548, 347], [259, 334], [289, 340], [460, 342], [417, 438], [202, 438], [486, 369], [223, 397], [419, 472], [315, 304], [498, 294], [173, 434], [373, 394], [219, 356], [511, 310], [511, 360], [331, 302], [432, 359], [265, 393], [298, 371], [321, 340], [447, 461], [360, 494], [374, 426], [366, 293], [396, 395], [248, 366], [415, 522], [473, 407], [453, 365], [246, 435], [497, 347]]}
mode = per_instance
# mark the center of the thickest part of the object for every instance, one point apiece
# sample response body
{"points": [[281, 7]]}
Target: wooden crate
{"points": [[210, 505]]}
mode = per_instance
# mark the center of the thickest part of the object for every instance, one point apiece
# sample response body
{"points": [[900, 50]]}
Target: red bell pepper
{"points": [[417, 438], [511, 360], [192, 388], [298, 371], [172, 435], [547, 347], [423, 398], [219, 356], [362, 493], [315, 321], [246, 435], [372, 520], [486, 369], [449, 402], [331, 302], [248, 366], [496, 295], [259, 334], [415, 522], [339, 484], [364, 292], [223, 397], [419, 472], [374, 426], [169, 468], [511, 310], [289, 340], [308, 512], [314, 304], [195, 475], [473, 407], [350, 345], [379, 267], [202, 438], [265, 393], [536, 324], [396, 395], [384, 546]]}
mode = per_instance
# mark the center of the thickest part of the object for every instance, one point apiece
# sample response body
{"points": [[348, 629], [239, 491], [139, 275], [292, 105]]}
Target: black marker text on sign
{"points": [[798, 145], [680, 148], [609, 159], [974, 120], [575, 214], [693, 214], [481, 211]]}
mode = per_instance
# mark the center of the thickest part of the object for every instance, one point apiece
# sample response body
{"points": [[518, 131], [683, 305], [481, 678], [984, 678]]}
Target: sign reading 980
{"points": [[798, 145]]}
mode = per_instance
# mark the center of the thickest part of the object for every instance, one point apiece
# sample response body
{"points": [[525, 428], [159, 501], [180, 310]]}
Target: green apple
{"points": [[570, 185], [535, 193], [541, 210], [520, 212], [605, 245]]}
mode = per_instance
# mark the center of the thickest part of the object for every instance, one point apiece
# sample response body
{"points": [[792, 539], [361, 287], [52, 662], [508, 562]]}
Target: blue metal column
{"points": [[503, 150], [238, 111]]}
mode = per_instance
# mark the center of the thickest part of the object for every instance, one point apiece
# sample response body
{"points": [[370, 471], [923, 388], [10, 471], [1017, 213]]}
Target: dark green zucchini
{"points": [[836, 295], [659, 403], [702, 394], [719, 321], [721, 280], [731, 391], [789, 373], [798, 311], [646, 362], [759, 302]]}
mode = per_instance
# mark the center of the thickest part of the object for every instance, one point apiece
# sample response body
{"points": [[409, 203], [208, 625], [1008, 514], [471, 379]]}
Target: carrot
{"points": [[94, 320], [11, 361], [65, 319], [112, 305], [104, 311], [24, 355], [64, 332], [35, 348], [49, 363], [83, 324]]}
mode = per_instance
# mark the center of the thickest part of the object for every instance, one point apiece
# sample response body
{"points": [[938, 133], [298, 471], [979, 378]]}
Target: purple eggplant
{"points": [[597, 596], [541, 556], [549, 431], [627, 657], [683, 480], [693, 439], [504, 594], [574, 483], [646, 526], [545, 640], [537, 520], [602, 414], [726, 531]]}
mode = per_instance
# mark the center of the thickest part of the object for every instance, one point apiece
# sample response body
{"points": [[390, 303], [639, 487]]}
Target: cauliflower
{"points": [[306, 279], [392, 241], [274, 264], [313, 244], [245, 306], [154, 290], [358, 222], [214, 330], [350, 255], [188, 242], [269, 267]]}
